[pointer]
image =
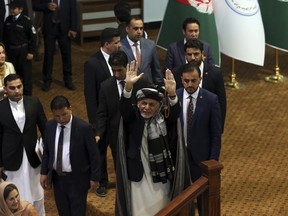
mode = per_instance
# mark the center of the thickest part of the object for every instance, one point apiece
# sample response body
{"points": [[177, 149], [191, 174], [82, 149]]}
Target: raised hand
{"points": [[131, 75], [170, 83]]}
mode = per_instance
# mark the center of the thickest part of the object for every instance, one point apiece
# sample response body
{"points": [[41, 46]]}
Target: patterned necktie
{"points": [[190, 110], [138, 55], [60, 151]]}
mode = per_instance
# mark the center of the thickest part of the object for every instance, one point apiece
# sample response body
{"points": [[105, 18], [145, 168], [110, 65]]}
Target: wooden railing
{"points": [[208, 185]]}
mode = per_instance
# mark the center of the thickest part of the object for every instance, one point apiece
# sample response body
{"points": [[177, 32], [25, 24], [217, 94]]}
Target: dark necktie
{"points": [[122, 82], [190, 110], [60, 151], [138, 55]]}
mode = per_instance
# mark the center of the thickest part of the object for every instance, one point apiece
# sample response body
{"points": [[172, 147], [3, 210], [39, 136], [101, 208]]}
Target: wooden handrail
{"points": [[208, 184]]}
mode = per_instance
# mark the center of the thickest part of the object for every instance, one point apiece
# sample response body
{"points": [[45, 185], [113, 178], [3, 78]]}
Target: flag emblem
{"points": [[244, 7], [203, 6]]}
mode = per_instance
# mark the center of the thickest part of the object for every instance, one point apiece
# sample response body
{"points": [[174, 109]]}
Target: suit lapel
{"points": [[180, 47], [73, 135], [27, 108], [199, 105], [127, 49], [180, 98], [10, 118], [143, 47], [114, 89], [104, 65], [205, 77], [52, 136]]}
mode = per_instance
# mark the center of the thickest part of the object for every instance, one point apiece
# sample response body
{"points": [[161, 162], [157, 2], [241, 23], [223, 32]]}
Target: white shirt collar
{"points": [[131, 43], [106, 56], [14, 103], [194, 95]]}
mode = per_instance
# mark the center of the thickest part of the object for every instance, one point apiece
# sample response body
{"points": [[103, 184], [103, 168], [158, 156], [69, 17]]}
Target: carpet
{"points": [[254, 144]]}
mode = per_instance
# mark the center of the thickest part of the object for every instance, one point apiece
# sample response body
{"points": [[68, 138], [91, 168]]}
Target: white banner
{"points": [[240, 30]]}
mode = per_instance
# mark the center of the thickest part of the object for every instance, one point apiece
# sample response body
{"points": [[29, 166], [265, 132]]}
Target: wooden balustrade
{"points": [[208, 185]]}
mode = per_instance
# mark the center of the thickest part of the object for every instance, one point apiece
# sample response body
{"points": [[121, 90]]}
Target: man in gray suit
{"points": [[142, 50]]}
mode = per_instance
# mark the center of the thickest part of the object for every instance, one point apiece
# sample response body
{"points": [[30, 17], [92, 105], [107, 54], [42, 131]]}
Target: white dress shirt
{"points": [[18, 112], [6, 2], [66, 165], [106, 57], [201, 67], [131, 43], [185, 103]]}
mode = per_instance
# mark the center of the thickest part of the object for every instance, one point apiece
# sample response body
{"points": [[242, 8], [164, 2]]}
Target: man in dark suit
{"points": [[211, 76], [97, 69], [201, 120], [142, 50], [60, 24], [175, 55], [71, 154], [108, 113], [122, 11], [19, 117]]}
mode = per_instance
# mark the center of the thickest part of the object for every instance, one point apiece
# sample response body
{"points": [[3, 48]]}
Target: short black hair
{"points": [[134, 18], [118, 58], [190, 20], [193, 43], [188, 68], [122, 11], [108, 34], [59, 102], [11, 77]]}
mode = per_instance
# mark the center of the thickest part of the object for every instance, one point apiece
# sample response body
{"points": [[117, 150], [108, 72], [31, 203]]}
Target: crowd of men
{"points": [[134, 106]]}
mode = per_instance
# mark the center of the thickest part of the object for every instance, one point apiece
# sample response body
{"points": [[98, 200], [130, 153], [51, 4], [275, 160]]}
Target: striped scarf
{"points": [[161, 164]]}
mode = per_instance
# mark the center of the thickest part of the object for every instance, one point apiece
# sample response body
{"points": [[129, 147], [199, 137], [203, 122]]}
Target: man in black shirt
{"points": [[20, 41]]}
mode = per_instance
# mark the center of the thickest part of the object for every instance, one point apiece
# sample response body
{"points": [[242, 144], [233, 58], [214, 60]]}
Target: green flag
{"points": [[176, 12], [275, 20]]}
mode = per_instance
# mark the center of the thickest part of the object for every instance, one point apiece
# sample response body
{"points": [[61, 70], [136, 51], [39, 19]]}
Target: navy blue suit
{"points": [[206, 133], [206, 129], [149, 59], [175, 55], [212, 80]]}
